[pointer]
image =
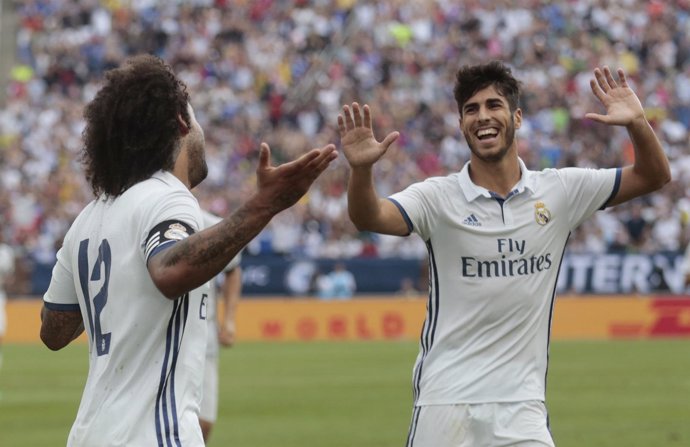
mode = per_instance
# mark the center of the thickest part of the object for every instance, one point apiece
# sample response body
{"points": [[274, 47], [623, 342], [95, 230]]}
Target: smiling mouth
{"points": [[486, 134]]}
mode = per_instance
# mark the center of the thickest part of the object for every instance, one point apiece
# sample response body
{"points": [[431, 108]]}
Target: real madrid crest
{"points": [[541, 214], [176, 232]]}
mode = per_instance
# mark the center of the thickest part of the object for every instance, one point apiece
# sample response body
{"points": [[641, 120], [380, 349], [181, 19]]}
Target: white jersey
{"points": [[212, 346], [146, 351], [493, 268]]}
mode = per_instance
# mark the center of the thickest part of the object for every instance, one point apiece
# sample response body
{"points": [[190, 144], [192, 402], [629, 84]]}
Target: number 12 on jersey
{"points": [[100, 267]]}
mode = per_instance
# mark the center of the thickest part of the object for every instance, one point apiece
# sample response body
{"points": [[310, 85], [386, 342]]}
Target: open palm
{"points": [[282, 186], [357, 137], [622, 104]]}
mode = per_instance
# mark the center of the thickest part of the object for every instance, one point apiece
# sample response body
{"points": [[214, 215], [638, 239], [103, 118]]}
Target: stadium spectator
{"points": [[135, 263], [281, 69], [322, 285], [686, 267], [6, 269], [342, 282], [637, 227], [221, 331], [407, 288], [496, 233]]}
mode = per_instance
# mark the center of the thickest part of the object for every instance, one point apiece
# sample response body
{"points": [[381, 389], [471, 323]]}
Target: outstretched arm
{"points": [[191, 262], [367, 210], [650, 170]]}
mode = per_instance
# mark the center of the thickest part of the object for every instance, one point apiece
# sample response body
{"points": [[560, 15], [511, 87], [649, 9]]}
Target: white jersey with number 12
{"points": [[146, 351]]}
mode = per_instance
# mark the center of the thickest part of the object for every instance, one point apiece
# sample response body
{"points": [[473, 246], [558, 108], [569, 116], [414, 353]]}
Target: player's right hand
{"points": [[282, 186], [357, 137]]}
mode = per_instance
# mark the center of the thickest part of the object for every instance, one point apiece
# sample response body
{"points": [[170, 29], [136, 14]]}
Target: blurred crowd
{"points": [[279, 71]]}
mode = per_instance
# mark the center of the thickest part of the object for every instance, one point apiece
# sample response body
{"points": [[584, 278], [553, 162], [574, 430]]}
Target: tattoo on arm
{"points": [[218, 247]]}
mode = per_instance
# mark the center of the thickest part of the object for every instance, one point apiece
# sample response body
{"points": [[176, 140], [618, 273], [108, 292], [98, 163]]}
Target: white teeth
{"points": [[484, 132]]}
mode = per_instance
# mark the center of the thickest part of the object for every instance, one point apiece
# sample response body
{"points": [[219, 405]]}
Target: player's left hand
{"points": [[226, 336], [622, 104]]}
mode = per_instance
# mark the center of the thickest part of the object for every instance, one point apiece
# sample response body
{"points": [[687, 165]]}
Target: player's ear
{"points": [[517, 117], [184, 127]]}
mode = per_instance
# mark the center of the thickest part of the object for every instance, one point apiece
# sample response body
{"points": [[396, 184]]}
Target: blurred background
{"points": [[279, 71]]}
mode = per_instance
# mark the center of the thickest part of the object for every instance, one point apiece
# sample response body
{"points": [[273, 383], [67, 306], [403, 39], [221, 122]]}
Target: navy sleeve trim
{"points": [[161, 247], [616, 187], [164, 233], [61, 307], [408, 221]]}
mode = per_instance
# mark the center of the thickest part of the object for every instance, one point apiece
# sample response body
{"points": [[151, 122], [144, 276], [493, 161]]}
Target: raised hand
{"points": [[282, 186], [622, 104], [357, 137]]}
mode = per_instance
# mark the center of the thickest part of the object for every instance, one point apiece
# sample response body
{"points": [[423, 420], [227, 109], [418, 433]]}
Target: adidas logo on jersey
{"points": [[472, 221]]}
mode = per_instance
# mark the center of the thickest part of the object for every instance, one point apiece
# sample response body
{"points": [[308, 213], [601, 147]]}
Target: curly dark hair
{"points": [[470, 79], [131, 125]]}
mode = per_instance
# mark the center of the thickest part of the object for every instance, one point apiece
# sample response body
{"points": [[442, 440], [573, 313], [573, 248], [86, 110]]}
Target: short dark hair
{"points": [[472, 78], [132, 128]]}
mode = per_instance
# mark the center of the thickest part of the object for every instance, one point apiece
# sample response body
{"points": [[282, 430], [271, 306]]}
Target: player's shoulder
{"points": [[161, 191], [439, 183], [160, 183], [430, 189], [444, 179], [85, 213], [553, 180], [572, 178], [572, 172], [545, 175]]}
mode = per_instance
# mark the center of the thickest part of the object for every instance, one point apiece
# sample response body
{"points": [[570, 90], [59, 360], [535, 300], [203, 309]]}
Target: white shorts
{"points": [[520, 424], [208, 410]]}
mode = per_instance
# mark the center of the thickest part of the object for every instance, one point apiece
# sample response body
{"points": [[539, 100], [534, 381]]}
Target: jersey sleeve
{"points": [[61, 293], [588, 190], [175, 216], [418, 204]]}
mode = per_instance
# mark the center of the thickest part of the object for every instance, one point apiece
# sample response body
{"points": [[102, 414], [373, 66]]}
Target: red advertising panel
{"points": [[376, 318]]}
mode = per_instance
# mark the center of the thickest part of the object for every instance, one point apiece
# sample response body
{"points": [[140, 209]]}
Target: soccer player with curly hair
{"points": [[135, 264]]}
